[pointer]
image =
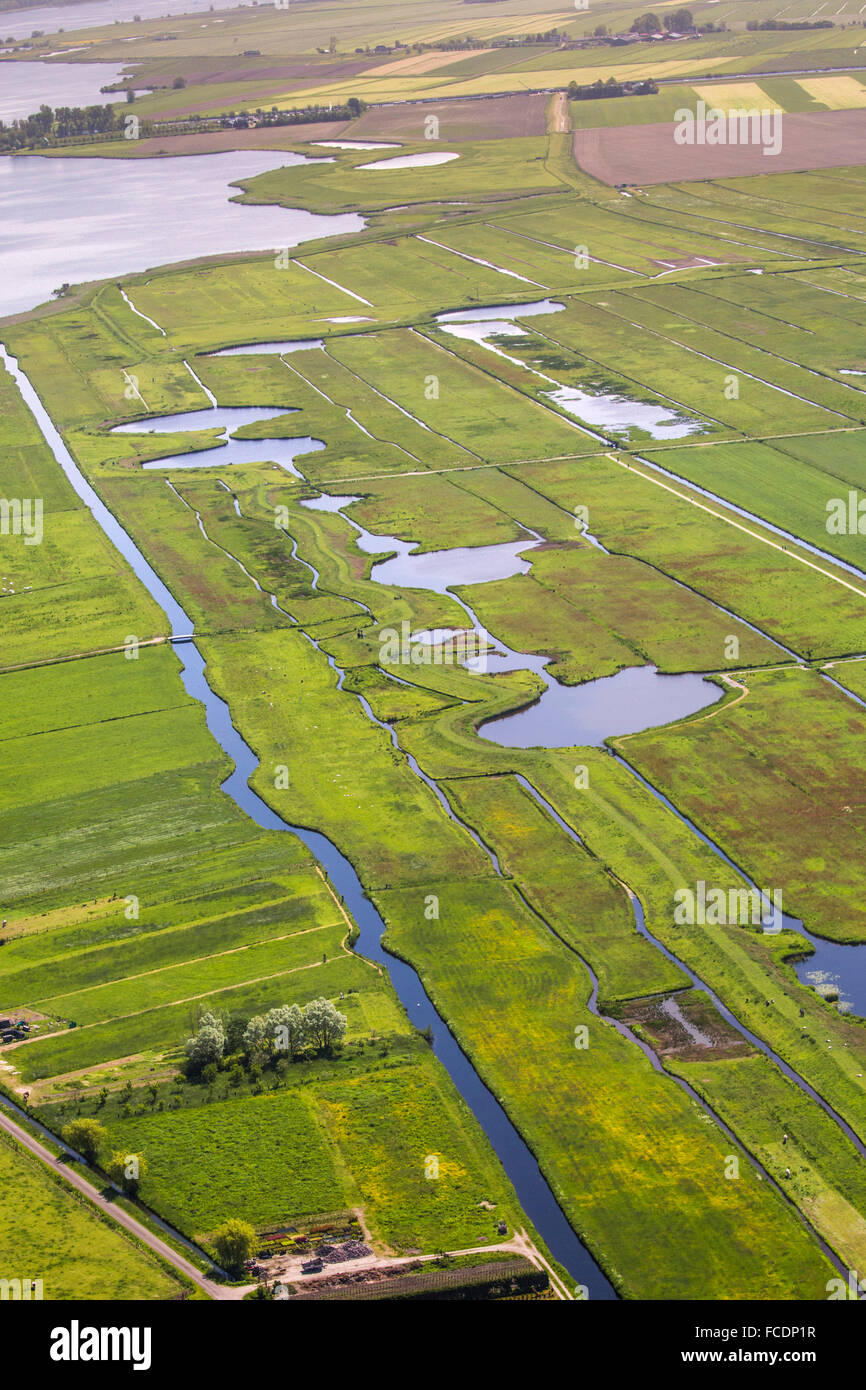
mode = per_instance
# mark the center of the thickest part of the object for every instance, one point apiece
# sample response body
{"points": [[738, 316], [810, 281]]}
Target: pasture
{"points": [[111, 784]]}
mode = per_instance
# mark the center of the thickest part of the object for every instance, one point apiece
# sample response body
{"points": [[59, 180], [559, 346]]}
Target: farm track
{"points": [[211, 1287]]}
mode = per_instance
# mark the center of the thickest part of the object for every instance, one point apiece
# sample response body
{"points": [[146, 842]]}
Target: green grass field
{"points": [[110, 788], [323, 1145], [51, 1234], [729, 778]]}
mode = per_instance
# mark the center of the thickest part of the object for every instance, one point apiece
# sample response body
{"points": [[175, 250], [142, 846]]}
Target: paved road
{"points": [[123, 1218]]}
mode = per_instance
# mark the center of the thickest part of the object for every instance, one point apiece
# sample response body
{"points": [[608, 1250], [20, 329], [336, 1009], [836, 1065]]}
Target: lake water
{"points": [[620, 414], [25, 86], [439, 570], [492, 313], [20, 24], [634, 699], [73, 220]]}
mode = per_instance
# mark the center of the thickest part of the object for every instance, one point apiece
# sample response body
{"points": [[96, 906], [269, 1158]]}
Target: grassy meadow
{"points": [[138, 896], [52, 1234]]}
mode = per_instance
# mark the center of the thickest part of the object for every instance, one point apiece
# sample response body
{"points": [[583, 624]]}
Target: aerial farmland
{"points": [[433, 669]]}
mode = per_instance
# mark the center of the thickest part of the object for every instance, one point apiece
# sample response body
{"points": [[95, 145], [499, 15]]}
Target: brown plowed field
{"points": [[646, 154], [494, 118]]}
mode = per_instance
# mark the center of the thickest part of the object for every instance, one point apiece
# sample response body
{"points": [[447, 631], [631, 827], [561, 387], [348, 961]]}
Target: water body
{"points": [[355, 145], [841, 967], [609, 411], [227, 420], [620, 415], [25, 86], [564, 716], [635, 699], [532, 1189], [291, 345], [411, 161], [495, 312], [441, 570], [672, 1009], [20, 24], [73, 220]]}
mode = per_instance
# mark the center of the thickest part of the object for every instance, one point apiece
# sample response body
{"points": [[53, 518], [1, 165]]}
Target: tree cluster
{"points": [[611, 88], [286, 1031], [675, 21]]}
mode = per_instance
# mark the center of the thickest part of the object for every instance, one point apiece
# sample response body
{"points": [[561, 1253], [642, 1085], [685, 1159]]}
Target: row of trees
{"points": [[46, 124], [286, 1031], [790, 24], [302, 115]]}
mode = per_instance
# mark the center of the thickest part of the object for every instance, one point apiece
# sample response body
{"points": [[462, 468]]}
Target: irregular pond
{"points": [[72, 220], [496, 312], [672, 1008], [226, 419], [835, 969], [411, 161], [635, 699], [620, 415], [291, 345], [434, 569]]}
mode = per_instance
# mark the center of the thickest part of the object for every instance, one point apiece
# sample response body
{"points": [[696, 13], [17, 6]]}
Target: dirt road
{"points": [[558, 119], [123, 1218]]}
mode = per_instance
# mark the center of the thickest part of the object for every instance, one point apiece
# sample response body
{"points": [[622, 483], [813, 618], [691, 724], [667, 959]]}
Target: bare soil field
{"points": [[647, 154], [493, 118], [686, 1025]]}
